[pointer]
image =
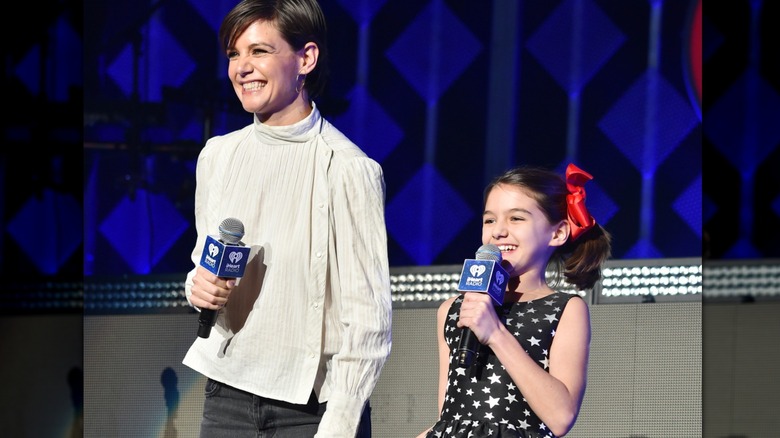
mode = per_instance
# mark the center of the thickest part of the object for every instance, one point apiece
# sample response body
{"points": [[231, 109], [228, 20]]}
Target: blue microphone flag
{"points": [[484, 275], [224, 260]]}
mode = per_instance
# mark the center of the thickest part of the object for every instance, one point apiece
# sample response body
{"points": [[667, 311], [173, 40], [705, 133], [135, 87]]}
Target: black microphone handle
{"points": [[206, 320], [467, 347]]}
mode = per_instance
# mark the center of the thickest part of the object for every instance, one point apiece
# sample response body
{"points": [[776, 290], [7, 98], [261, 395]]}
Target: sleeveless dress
{"points": [[482, 401]]}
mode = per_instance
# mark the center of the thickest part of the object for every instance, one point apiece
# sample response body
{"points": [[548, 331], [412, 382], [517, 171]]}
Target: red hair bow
{"points": [[580, 220]]}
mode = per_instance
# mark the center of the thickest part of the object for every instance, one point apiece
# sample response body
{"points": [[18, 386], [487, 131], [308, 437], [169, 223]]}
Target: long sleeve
{"points": [[209, 173], [361, 296]]}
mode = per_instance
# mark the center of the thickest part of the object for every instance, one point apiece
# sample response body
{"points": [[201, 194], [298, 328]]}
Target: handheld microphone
{"points": [[483, 274], [226, 257]]}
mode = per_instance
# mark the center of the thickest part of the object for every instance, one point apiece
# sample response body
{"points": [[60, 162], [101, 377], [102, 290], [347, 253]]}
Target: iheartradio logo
{"points": [[235, 257], [213, 250], [477, 270]]}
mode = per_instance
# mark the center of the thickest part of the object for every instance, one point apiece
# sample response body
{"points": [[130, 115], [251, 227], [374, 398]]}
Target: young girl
{"points": [[522, 384]]}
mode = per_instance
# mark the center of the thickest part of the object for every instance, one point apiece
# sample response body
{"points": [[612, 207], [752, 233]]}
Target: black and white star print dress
{"points": [[482, 401]]}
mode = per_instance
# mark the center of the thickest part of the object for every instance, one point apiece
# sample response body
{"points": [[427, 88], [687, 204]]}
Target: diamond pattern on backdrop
{"points": [[212, 11], [164, 63], [48, 229], [572, 59], [756, 105], [742, 126], [688, 206], [451, 48], [64, 59], [741, 110], [143, 228], [426, 214], [648, 122], [434, 50], [441, 51], [363, 119]]}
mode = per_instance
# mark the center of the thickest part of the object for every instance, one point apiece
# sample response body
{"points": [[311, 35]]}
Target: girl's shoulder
{"points": [[447, 304]]}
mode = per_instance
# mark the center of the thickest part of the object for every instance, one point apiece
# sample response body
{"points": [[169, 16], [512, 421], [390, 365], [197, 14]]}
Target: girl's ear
{"points": [[560, 233]]}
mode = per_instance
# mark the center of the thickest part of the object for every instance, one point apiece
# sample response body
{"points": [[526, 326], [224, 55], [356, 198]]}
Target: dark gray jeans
{"points": [[232, 413]]}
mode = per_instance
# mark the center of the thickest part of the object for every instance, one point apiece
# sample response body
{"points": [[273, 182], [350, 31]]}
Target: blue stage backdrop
{"points": [[444, 94]]}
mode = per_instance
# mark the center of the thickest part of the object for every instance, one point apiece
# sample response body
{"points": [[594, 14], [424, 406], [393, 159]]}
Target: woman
{"points": [[302, 337]]}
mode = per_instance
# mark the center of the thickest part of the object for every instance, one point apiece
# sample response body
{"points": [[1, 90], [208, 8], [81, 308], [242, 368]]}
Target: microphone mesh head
{"points": [[489, 252], [231, 230]]}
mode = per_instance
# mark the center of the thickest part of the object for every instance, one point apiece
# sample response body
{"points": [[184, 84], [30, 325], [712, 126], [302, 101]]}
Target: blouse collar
{"points": [[299, 132]]}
